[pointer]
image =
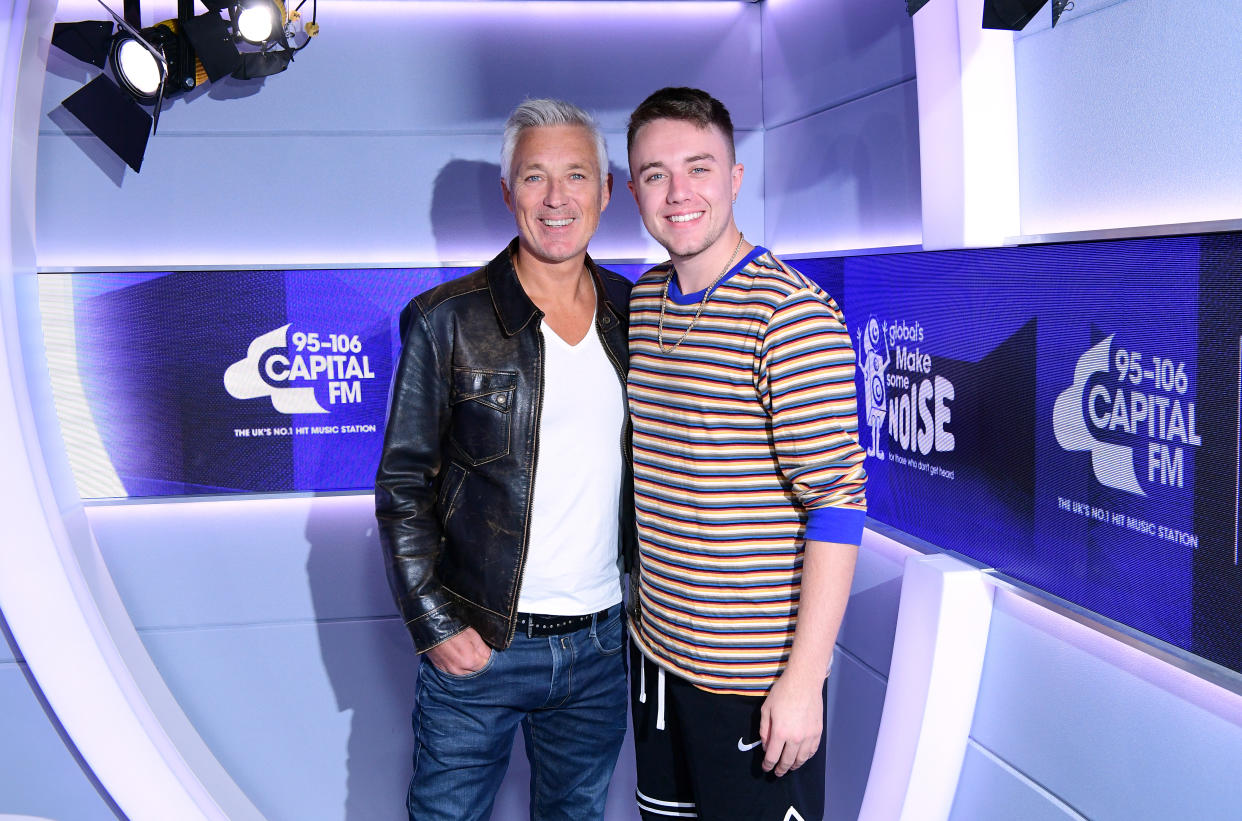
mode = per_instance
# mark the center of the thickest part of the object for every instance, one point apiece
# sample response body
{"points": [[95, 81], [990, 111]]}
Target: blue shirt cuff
{"points": [[841, 525]]}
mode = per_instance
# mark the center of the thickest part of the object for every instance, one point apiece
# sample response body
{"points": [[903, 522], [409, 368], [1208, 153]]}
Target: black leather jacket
{"points": [[454, 486]]}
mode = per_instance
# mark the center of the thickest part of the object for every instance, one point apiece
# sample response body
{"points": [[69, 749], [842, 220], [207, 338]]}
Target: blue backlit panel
{"points": [[1067, 414], [203, 382]]}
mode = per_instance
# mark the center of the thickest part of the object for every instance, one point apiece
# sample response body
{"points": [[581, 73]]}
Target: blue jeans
{"points": [[569, 694]]}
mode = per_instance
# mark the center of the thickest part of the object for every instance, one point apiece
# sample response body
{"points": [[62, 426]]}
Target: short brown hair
{"points": [[681, 103]]}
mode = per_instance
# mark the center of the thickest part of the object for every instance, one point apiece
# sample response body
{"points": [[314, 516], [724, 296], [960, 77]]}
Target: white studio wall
{"points": [[59, 604], [1128, 113], [380, 143], [968, 127], [37, 738], [841, 140], [1115, 119], [1106, 729]]}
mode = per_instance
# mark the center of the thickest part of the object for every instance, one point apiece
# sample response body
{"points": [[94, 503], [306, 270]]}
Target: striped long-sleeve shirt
{"points": [[745, 445]]}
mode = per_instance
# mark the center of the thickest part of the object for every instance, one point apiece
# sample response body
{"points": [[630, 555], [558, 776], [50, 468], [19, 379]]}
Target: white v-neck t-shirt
{"points": [[571, 564]]}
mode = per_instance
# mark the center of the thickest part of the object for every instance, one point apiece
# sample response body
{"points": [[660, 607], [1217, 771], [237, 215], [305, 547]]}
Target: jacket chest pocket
{"points": [[482, 403]]}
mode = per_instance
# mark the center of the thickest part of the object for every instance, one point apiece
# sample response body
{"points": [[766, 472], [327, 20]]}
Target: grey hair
{"points": [[547, 112]]}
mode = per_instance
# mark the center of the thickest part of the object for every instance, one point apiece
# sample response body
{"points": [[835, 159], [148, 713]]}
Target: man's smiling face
{"points": [[557, 193], [684, 179]]}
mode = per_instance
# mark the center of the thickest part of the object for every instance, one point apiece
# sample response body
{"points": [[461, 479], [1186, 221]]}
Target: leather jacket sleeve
{"points": [[406, 484]]}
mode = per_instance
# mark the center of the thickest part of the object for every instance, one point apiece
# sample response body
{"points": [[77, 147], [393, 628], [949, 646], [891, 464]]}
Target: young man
{"points": [[503, 494], [748, 485]]}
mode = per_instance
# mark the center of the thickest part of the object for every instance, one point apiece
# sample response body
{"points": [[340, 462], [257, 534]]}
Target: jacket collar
{"points": [[514, 307]]}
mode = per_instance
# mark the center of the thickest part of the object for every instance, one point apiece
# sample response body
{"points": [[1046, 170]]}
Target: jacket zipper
{"points": [[530, 492]]}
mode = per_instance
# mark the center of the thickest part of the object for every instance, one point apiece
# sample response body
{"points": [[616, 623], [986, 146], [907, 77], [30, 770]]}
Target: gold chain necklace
{"points": [[702, 302]]}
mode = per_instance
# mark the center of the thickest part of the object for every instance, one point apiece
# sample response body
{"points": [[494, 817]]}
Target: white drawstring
{"points": [[660, 699], [642, 680], [642, 690]]}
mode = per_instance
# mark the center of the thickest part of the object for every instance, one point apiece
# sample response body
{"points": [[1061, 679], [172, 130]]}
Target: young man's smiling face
{"points": [[684, 179], [558, 191]]}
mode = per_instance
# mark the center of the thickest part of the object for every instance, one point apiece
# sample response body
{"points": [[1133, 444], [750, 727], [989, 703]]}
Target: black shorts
{"points": [[707, 761]]}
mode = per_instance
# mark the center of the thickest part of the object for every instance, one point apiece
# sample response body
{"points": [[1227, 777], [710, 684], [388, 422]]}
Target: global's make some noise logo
{"points": [[288, 374], [915, 402], [1147, 402]]}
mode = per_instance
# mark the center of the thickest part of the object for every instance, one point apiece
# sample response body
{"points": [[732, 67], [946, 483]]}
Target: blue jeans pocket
{"points": [[491, 659], [608, 637]]}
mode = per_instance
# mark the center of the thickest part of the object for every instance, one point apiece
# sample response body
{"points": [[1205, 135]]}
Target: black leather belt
{"points": [[537, 624]]}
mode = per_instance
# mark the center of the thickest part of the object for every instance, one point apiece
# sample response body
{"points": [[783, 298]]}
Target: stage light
{"points": [[136, 68], [214, 45], [142, 60], [256, 21], [254, 24], [169, 58]]}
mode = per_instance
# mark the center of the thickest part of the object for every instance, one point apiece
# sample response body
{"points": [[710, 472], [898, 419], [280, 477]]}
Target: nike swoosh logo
{"points": [[746, 747]]}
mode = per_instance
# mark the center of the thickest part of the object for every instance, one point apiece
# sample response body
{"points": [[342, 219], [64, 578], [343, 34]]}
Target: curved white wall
{"points": [[57, 597]]}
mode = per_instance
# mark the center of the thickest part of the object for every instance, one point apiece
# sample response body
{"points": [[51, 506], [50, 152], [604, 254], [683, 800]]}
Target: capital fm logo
{"points": [[1121, 402], [288, 373]]}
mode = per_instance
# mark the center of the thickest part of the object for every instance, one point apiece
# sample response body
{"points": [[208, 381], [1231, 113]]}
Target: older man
{"points": [[503, 494], [749, 488]]}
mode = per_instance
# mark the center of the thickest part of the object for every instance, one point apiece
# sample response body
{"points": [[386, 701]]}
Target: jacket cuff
{"points": [[435, 627]]}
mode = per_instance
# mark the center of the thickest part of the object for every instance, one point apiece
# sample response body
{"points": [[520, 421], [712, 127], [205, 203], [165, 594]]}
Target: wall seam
{"points": [[864, 665], [214, 626], [843, 102], [1029, 782]]}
